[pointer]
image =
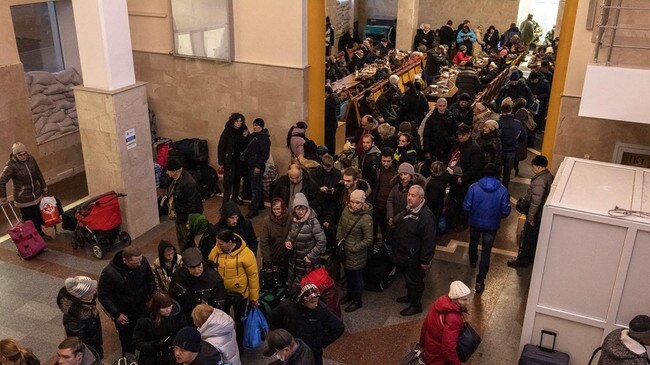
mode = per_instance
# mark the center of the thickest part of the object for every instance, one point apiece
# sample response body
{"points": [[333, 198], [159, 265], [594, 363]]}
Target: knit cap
{"points": [[18, 147], [80, 286], [393, 79], [405, 127], [358, 196], [406, 168], [491, 124], [640, 326], [308, 291], [189, 339], [458, 289]]}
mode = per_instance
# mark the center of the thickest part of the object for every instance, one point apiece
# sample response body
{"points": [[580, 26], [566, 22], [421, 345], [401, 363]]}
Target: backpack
{"points": [[268, 300]]}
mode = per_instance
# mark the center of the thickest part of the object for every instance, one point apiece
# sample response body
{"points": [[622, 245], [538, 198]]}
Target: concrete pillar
{"points": [[111, 105], [407, 23], [316, 59]]}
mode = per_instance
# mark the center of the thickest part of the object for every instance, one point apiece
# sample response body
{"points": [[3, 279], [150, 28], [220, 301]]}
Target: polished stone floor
{"points": [[375, 334]]}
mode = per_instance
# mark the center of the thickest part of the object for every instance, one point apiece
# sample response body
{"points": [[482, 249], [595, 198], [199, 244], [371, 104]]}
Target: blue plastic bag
{"points": [[255, 328]]}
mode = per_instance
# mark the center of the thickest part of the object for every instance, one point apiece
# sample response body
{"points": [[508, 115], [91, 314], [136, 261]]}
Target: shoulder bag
{"points": [[468, 340], [522, 205], [339, 252]]}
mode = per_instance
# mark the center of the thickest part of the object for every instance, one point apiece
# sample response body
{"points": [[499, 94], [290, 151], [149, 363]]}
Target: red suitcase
{"points": [[28, 242]]}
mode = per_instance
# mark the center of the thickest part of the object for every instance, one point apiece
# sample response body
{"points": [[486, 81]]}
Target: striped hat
{"points": [[80, 286]]}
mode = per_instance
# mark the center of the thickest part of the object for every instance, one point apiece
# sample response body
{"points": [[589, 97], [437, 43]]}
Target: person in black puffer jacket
{"points": [[29, 185], [154, 334], [490, 143], [77, 301], [467, 81], [308, 318], [125, 287], [255, 155], [232, 219], [184, 198], [438, 132], [232, 143]]}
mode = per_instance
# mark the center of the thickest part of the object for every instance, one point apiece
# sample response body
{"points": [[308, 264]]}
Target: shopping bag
{"points": [[414, 356], [50, 211], [255, 328]]}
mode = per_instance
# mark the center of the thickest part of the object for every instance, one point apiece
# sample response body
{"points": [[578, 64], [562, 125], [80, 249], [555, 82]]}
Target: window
{"points": [[37, 37]]}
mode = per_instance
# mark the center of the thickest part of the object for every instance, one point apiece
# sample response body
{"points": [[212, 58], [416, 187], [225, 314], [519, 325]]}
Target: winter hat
{"points": [[640, 327], [405, 127], [406, 168], [534, 76], [491, 170], [18, 147], [300, 200], [393, 79], [308, 291], [463, 129], [358, 196], [259, 122], [458, 289], [463, 48], [275, 341], [464, 97], [327, 160], [80, 286], [540, 161], [491, 124], [189, 339], [173, 164], [192, 257], [514, 76]]}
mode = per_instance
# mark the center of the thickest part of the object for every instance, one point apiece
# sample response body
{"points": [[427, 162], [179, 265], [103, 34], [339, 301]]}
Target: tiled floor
{"points": [[375, 334]]}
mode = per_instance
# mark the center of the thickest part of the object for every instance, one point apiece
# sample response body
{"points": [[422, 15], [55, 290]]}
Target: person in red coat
{"points": [[443, 324]]}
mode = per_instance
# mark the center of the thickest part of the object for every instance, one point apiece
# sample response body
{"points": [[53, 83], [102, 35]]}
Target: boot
{"points": [[356, 304], [346, 299], [411, 310]]}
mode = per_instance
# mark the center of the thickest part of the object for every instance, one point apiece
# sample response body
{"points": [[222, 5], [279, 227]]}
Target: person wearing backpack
{"points": [[255, 155], [296, 139]]}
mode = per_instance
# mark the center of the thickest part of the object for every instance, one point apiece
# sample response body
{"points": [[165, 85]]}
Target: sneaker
{"points": [[517, 263], [480, 287], [404, 299], [353, 306], [411, 310]]}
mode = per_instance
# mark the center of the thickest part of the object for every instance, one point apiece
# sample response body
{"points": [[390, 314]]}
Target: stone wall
{"points": [[499, 13], [193, 98]]}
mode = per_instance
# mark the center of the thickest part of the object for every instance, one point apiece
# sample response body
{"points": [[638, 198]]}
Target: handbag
{"points": [[468, 341], [414, 355], [522, 205], [339, 251], [255, 328]]}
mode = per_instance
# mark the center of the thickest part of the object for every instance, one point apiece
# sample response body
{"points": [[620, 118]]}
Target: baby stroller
{"points": [[98, 224]]}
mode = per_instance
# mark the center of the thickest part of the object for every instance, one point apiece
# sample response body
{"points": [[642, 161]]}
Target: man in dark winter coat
{"points": [[232, 219], [414, 105], [77, 301], [332, 109], [369, 163], [439, 131], [184, 198], [627, 346], [447, 36], [467, 81], [381, 190], [350, 182], [541, 90], [308, 318], [462, 109], [232, 143], [125, 287], [513, 134], [190, 349], [197, 283], [414, 242], [514, 89], [487, 202], [255, 155], [436, 59], [286, 349], [295, 181], [326, 177]]}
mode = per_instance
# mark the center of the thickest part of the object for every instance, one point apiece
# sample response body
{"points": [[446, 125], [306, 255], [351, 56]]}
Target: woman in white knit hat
{"points": [[77, 300], [29, 185], [441, 327]]}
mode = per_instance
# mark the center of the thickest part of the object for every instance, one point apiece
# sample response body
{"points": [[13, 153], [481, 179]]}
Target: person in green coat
{"points": [[355, 229]]}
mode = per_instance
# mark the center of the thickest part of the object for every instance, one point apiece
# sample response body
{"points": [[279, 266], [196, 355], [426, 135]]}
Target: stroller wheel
{"points": [[97, 252], [125, 238]]}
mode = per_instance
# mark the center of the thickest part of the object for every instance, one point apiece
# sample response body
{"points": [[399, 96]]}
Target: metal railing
{"points": [[604, 25]]}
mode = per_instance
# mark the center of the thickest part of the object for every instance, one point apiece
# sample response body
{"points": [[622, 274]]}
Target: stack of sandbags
{"points": [[52, 101]]}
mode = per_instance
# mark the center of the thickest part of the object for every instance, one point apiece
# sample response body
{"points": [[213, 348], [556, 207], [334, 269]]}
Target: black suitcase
{"points": [[193, 148], [539, 355]]}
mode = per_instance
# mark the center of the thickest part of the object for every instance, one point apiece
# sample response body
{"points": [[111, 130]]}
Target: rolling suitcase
{"points": [[539, 355], [28, 242]]}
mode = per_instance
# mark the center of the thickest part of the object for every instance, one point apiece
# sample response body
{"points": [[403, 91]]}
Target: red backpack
{"points": [[325, 285]]}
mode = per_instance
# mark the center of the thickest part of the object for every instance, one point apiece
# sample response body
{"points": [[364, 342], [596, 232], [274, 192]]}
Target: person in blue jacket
{"points": [[466, 37], [487, 202]]}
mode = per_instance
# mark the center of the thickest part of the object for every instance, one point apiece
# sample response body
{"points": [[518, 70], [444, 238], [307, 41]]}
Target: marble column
{"points": [[407, 23], [112, 106]]}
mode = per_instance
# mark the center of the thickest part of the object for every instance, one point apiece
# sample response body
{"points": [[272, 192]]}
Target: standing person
{"points": [[194, 284], [12, 354], [190, 349], [286, 349], [232, 142], [466, 37], [77, 300], [442, 325], [435, 189], [306, 242], [491, 39], [447, 35], [307, 317], [232, 219], [527, 31], [332, 110], [462, 109], [513, 134], [296, 180], [197, 226], [541, 89], [405, 153], [72, 351], [397, 200], [381, 190], [370, 161], [468, 83], [184, 199], [165, 265], [487, 202], [274, 231], [438, 132], [29, 185], [329, 36], [436, 59], [427, 37], [218, 329], [154, 333], [489, 141], [540, 187], [414, 242], [256, 154], [627, 346], [356, 233], [237, 265], [296, 138], [125, 287]]}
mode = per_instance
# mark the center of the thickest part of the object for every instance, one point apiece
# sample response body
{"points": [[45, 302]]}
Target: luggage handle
{"points": [[550, 333], [7, 216]]}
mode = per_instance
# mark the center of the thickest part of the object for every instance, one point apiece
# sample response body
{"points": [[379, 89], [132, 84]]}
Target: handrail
{"points": [[603, 26]]}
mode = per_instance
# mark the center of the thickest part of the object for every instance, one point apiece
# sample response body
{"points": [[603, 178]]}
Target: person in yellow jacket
{"points": [[237, 266]]}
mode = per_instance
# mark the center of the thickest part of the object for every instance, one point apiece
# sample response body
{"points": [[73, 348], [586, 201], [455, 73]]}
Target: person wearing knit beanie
{"points": [[18, 148], [458, 289], [191, 349], [81, 287], [358, 196], [76, 300], [406, 168], [491, 125]]}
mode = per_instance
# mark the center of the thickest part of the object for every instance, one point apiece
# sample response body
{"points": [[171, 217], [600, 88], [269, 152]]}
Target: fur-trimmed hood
{"points": [[75, 307]]}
